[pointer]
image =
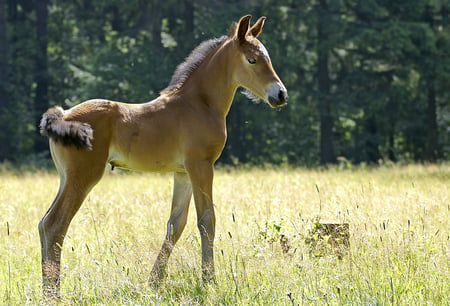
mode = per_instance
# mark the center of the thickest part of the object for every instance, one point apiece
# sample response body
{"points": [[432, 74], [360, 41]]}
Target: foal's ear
{"points": [[256, 29], [243, 27]]}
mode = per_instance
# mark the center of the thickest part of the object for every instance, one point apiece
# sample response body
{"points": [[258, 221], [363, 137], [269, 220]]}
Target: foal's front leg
{"points": [[201, 174], [182, 193]]}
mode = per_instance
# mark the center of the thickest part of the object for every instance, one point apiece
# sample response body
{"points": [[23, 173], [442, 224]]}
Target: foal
{"points": [[182, 131]]}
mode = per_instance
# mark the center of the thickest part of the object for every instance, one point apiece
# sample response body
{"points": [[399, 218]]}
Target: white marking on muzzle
{"points": [[276, 94]]}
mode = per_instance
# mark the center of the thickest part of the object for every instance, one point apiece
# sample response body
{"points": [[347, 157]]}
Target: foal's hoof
{"points": [[50, 296], [209, 278], [156, 278]]}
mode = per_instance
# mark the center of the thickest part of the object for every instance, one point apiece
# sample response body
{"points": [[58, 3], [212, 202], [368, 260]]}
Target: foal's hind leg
{"points": [[75, 183], [182, 193]]}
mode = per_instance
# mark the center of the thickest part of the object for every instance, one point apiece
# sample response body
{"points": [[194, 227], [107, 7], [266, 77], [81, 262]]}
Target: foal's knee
{"points": [[41, 227], [206, 224], [174, 229], [43, 231]]}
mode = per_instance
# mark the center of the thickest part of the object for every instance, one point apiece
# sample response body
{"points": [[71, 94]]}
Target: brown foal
{"points": [[182, 131]]}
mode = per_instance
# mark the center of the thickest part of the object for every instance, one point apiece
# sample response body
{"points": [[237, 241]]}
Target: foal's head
{"points": [[254, 71]]}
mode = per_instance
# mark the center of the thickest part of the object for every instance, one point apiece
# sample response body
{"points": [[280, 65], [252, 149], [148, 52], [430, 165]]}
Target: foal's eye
{"points": [[251, 60]]}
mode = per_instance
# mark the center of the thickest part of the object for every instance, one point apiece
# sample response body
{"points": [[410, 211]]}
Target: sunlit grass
{"points": [[399, 238]]}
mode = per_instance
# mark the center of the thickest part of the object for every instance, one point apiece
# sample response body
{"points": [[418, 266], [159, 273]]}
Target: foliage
{"points": [[387, 79], [398, 252]]}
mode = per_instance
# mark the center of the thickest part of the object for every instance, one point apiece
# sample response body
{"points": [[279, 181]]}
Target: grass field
{"points": [[399, 239]]}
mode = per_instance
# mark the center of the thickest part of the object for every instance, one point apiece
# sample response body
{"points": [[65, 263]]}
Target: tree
{"points": [[434, 69], [41, 101], [5, 150], [367, 80], [327, 153]]}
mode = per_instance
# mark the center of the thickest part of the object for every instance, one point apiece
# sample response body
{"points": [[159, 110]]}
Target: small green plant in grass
{"points": [[277, 232], [328, 238]]}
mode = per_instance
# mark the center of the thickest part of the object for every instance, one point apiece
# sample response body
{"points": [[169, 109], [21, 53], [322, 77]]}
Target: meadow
{"points": [[399, 250]]}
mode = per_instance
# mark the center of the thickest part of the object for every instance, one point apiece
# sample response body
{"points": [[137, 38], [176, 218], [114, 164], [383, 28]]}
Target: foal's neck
{"points": [[212, 83]]}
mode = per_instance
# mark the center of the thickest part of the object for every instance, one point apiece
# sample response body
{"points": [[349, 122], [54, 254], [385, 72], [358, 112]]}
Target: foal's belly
{"points": [[149, 162]]}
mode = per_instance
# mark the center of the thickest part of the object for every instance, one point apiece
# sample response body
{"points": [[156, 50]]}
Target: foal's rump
{"points": [[78, 134], [78, 126]]}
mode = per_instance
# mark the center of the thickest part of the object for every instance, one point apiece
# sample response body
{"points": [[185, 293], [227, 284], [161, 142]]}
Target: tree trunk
{"points": [[4, 68], [155, 15], [371, 142], [41, 74], [431, 145], [5, 149], [327, 153], [429, 71], [188, 40]]}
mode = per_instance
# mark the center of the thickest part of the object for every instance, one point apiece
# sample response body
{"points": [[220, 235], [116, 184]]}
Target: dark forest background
{"points": [[368, 80]]}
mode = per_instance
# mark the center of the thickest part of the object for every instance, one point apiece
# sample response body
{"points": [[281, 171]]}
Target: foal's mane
{"points": [[191, 63]]}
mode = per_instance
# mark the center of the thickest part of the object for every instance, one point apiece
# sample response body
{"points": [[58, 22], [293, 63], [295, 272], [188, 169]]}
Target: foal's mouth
{"points": [[279, 102]]}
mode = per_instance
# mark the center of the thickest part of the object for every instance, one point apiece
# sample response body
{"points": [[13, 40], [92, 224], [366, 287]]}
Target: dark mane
{"points": [[192, 62]]}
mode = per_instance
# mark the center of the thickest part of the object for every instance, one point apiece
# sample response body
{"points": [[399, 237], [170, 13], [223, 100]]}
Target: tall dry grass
{"points": [[399, 238]]}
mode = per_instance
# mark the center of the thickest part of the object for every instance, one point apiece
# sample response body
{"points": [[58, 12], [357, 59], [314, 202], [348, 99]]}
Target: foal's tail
{"points": [[74, 133]]}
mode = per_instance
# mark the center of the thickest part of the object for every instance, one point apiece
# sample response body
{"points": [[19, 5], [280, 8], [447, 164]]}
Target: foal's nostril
{"points": [[282, 96]]}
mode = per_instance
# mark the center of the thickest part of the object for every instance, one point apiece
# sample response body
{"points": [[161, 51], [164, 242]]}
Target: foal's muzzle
{"points": [[277, 95]]}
